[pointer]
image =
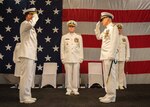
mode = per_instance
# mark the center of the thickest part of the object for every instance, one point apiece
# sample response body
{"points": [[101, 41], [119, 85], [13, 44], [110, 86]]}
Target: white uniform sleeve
{"points": [[81, 49], [25, 27], [16, 53], [62, 49], [127, 49], [114, 42], [34, 20], [98, 34]]}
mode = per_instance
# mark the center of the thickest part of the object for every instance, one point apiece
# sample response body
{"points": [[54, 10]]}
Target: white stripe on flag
{"points": [[107, 4], [129, 28], [136, 54]]}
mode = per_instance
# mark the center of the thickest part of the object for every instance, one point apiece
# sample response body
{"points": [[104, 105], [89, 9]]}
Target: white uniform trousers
{"points": [[72, 76], [121, 74], [26, 78], [110, 86]]}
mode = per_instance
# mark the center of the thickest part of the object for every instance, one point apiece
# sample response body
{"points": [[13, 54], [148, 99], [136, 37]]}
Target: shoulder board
{"points": [[114, 25]]}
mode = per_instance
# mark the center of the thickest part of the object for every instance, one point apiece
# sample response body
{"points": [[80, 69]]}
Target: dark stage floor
{"points": [[133, 96]]}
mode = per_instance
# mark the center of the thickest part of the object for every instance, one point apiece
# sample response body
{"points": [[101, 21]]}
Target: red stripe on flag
{"points": [[142, 41], [137, 67], [139, 41], [91, 41], [93, 15]]}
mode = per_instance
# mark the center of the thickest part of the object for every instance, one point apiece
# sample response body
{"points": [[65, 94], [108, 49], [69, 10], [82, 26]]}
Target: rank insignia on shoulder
{"points": [[114, 25]]}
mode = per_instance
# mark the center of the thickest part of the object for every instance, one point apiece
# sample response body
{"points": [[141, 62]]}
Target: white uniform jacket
{"points": [[16, 53], [110, 42], [16, 60], [28, 48], [71, 48], [124, 48]]}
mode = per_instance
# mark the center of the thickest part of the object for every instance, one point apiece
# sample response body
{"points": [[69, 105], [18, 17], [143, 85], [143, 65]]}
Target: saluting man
{"points": [[28, 54], [123, 56], [110, 42], [71, 57]]}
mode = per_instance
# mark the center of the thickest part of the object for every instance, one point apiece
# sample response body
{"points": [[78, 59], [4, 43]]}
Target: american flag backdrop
{"points": [[134, 14], [48, 27]]}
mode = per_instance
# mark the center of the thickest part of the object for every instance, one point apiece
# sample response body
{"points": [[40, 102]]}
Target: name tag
{"points": [[67, 39]]}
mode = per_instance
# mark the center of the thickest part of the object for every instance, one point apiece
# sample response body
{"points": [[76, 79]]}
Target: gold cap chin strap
{"points": [[32, 12]]}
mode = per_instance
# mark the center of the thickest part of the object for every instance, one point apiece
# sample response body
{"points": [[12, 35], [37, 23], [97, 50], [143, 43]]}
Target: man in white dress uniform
{"points": [[71, 57], [28, 55], [123, 56], [109, 48], [16, 60]]}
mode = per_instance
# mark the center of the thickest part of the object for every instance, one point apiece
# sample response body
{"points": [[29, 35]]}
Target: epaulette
{"points": [[114, 25]]}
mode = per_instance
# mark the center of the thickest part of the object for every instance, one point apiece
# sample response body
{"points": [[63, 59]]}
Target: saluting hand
{"points": [[98, 25], [97, 29]]}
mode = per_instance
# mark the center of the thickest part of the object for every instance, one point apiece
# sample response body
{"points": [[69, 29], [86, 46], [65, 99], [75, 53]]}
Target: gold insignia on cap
{"points": [[30, 10], [72, 23], [105, 15]]}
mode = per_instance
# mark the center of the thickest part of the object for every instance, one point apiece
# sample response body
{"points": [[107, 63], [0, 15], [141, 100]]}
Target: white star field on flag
{"points": [[40, 49], [55, 48], [1, 38], [48, 21], [1, 1], [32, 2], [39, 30], [8, 47], [40, 67], [16, 38], [16, 20], [9, 10], [56, 11], [8, 66], [55, 30], [48, 58], [1, 56], [23, 11], [40, 11], [17, 1], [1, 19], [48, 39], [48, 29], [8, 29], [48, 2]]}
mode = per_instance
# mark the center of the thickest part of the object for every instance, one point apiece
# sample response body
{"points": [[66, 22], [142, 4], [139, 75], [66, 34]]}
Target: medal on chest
{"points": [[76, 40], [67, 41], [123, 40], [107, 34]]}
